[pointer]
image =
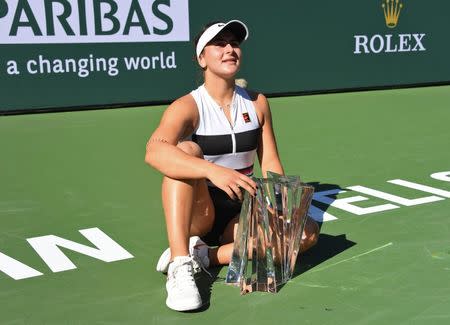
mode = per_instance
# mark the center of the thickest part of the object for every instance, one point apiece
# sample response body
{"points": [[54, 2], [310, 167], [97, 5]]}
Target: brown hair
{"points": [[197, 38], [200, 76]]}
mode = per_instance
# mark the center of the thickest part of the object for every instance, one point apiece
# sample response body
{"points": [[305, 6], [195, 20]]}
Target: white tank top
{"points": [[229, 145]]}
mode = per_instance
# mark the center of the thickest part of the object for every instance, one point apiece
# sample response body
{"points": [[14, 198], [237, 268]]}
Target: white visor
{"points": [[236, 27]]}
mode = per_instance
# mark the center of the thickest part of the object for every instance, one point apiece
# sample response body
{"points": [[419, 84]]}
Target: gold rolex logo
{"points": [[391, 10]]}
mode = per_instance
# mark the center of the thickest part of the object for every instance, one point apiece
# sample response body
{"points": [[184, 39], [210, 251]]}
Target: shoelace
{"points": [[198, 265]]}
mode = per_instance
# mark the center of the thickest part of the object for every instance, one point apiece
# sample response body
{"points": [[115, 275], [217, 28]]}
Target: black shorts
{"points": [[225, 210]]}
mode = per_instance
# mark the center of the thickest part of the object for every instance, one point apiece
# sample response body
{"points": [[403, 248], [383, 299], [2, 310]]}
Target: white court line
{"points": [[351, 258]]}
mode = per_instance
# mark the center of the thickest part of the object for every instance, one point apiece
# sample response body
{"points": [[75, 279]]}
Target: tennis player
{"points": [[206, 145]]}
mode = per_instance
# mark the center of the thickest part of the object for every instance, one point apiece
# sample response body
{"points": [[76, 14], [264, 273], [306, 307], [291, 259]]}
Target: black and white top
{"points": [[231, 145]]}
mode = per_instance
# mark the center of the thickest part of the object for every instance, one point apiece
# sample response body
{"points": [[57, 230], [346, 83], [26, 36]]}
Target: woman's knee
{"points": [[229, 234], [311, 234], [191, 148]]}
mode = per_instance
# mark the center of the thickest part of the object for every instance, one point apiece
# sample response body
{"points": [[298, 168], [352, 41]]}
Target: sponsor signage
{"points": [[93, 21], [59, 54], [390, 43]]}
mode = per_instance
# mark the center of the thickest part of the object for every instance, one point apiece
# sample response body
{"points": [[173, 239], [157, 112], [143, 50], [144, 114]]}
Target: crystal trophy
{"points": [[269, 234]]}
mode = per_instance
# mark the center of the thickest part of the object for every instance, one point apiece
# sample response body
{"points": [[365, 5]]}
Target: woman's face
{"points": [[222, 55]]}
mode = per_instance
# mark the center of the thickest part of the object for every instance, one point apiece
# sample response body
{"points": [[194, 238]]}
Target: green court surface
{"points": [[64, 172]]}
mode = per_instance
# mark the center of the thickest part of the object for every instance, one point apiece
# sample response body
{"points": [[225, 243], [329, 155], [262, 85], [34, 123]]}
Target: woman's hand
{"points": [[231, 181]]}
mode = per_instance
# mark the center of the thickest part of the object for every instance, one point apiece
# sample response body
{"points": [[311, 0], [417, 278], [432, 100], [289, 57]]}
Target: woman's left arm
{"points": [[267, 146]]}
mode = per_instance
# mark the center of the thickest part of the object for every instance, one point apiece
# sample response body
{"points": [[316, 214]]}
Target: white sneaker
{"points": [[198, 251], [182, 292]]}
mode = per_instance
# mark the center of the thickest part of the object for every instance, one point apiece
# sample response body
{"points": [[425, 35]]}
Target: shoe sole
{"points": [[183, 307]]}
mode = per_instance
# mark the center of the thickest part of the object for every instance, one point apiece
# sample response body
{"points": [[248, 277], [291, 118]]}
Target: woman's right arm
{"points": [[179, 120]]}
